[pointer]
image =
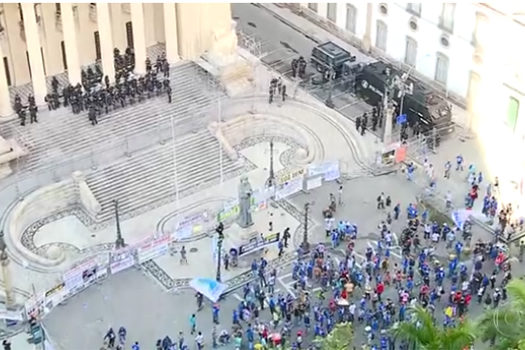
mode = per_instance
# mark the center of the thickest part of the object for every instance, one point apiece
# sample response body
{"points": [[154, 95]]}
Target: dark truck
{"points": [[330, 55], [422, 106]]}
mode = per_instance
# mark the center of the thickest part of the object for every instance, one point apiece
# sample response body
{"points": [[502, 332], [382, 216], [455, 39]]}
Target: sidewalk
{"points": [[320, 35]]}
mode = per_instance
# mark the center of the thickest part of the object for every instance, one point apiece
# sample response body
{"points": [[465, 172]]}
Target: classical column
{"points": [[170, 28], [6, 275], [139, 37], [106, 40], [5, 102], [35, 54], [70, 41]]}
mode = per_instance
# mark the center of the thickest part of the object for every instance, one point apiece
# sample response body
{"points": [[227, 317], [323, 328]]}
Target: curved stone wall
{"points": [[41, 203], [45, 202]]}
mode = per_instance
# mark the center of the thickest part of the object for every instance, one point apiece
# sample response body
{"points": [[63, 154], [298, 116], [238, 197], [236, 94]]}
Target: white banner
{"points": [[55, 295], [121, 259], [79, 276], [329, 170], [289, 188], [153, 249], [314, 182]]}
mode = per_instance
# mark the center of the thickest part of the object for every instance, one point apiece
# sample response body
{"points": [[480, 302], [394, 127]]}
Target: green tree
{"points": [[422, 333], [340, 338], [505, 325]]}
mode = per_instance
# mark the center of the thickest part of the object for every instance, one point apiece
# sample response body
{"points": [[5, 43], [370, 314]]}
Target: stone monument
{"points": [[245, 199], [9, 150]]}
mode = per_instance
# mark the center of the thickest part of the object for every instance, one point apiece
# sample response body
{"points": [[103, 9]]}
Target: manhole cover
{"points": [[93, 236], [193, 250]]}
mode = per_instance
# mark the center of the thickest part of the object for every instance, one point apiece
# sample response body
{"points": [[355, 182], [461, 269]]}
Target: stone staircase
{"points": [[61, 136], [148, 177]]}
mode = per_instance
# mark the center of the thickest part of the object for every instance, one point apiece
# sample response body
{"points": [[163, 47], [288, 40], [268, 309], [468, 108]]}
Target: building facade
{"points": [[426, 38], [38, 40], [466, 50]]}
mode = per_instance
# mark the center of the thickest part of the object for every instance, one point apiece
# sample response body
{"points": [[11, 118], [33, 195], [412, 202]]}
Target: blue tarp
{"points": [[208, 287]]}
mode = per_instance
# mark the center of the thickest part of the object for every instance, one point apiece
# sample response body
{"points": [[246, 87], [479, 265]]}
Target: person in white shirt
{"points": [[448, 200]]}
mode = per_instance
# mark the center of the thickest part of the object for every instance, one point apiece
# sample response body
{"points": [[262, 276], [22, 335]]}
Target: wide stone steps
{"points": [[149, 177], [65, 136]]}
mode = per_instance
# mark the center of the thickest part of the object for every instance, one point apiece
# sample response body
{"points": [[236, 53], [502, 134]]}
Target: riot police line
{"points": [[96, 95]]}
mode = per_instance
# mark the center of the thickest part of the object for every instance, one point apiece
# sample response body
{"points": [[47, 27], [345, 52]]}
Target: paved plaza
{"points": [[169, 162]]}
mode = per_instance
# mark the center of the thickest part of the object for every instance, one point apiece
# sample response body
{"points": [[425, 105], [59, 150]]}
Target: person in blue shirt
{"points": [[215, 313], [135, 346], [254, 268], [397, 210], [459, 162], [193, 323]]}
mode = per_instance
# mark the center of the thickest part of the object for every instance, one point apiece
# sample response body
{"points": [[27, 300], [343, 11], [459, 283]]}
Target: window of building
{"points": [[512, 113], [446, 21], [414, 8], [479, 25], [351, 17], [411, 51], [7, 73], [129, 34], [20, 12], [441, 69], [29, 65], [43, 60], [98, 52], [331, 11], [63, 50], [313, 6], [381, 35], [58, 9]]}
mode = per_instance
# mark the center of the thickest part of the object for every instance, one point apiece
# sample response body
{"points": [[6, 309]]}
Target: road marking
{"points": [[237, 296], [286, 287]]}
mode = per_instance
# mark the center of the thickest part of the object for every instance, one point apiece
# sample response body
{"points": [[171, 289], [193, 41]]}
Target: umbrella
{"points": [[208, 287]]}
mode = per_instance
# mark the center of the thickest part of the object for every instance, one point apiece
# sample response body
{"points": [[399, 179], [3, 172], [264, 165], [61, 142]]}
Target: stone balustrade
{"points": [[44, 202]]}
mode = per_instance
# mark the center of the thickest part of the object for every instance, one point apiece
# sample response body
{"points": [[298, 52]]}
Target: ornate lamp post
{"points": [[305, 245], [270, 182], [220, 238], [119, 243], [4, 259]]}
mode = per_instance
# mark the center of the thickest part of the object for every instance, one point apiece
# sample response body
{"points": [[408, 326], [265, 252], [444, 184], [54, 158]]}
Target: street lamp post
{"points": [[219, 230], [270, 182], [119, 243], [305, 245]]}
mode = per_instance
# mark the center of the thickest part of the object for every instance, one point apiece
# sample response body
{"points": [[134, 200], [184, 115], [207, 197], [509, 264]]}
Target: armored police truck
{"points": [[330, 55], [420, 105]]}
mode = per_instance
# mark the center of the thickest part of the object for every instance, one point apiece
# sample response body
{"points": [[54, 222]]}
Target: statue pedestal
{"points": [[9, 150]]}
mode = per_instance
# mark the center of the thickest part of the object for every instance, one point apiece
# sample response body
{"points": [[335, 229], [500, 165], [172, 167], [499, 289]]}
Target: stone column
{"points": [[70, 41], [367, 38], [139, 37], [106, 40], [5, 102], [6, 276], [35, 54], [170, 27]]}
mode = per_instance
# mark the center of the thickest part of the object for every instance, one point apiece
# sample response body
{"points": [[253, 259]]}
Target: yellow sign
{"points": [[289, 175]]}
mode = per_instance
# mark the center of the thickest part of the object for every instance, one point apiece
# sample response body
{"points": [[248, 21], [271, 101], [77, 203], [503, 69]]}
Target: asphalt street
{"points": [[280, 44]]}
